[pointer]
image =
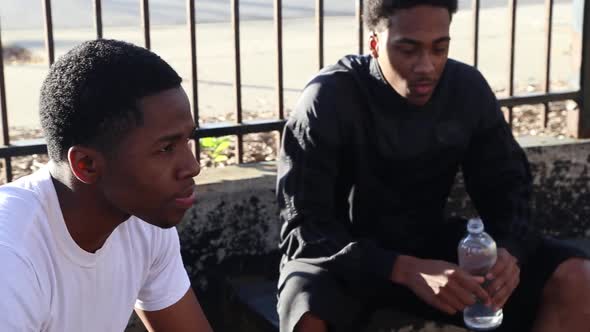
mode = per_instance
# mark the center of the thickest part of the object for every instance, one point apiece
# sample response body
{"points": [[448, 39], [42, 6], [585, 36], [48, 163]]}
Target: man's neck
{"points": [[90, 220]]}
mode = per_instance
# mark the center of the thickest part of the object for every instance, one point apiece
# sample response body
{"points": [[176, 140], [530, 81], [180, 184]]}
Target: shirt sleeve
{"points": [[167, 281], [310, 175], [498, 179], [21, 307]]}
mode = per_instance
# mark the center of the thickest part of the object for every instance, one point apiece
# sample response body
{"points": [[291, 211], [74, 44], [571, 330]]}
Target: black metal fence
{"points": [[580, 120]]}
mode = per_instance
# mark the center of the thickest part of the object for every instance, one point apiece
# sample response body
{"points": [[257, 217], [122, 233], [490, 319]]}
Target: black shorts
{"points": [[344, 307]]}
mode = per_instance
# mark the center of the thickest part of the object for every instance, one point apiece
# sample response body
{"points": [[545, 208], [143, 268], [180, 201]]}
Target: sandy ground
{"points": [[216, 68]]}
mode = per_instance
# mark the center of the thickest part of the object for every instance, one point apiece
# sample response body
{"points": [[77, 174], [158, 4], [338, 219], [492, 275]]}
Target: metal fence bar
{"points": [[359, 26], [23, 148], [548, 42], [49, 44], [235, 9], [98, 18], [319, 15], [476, 6], [37, 146], [278, 18], [539, 98], [145, 23], [192, 31], [512, 4], [225, 129], [4, 112], [581, 120]]}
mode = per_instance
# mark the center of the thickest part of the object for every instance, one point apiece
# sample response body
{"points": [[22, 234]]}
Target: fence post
{"points": [[579, 120], [4, 115], [49, 43]]}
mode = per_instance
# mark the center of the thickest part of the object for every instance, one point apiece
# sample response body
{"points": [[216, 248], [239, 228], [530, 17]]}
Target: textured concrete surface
{"points": [[561, 188]]}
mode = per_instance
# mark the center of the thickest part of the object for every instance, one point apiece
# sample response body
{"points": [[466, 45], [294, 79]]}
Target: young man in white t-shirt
{"points": [[91, 236]]}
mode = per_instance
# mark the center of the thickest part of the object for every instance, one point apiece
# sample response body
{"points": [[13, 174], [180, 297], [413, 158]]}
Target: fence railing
{"points": [[580, 120]]}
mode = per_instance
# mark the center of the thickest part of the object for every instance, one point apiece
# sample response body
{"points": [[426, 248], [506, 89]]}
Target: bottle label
{"points": [[479, 251], [477, 260]]}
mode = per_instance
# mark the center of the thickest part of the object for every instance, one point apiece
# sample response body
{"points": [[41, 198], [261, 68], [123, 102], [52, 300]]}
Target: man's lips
{"points": [[186, 199], [424, 88]]}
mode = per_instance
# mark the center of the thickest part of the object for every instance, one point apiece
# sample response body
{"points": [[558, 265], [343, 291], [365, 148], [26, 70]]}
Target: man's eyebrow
{"points": [[417, 43], [169, 138], [176, 136], [408, 41], [442, 39]]}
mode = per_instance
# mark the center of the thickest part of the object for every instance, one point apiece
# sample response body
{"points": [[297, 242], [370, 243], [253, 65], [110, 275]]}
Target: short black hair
{"points": [[378, 12], [91, 93]]}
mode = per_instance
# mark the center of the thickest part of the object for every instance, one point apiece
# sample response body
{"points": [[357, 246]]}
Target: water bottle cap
{"points": [[475, 225]]}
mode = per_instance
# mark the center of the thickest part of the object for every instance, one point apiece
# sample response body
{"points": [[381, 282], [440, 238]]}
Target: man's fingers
{"points": [[452, 301], [495, 284], [498, 268], [473, 286], [443, 306], [504, 278], [504, 293], [505, 259], [501, 297], [509, 275], [464, 296], [456, 296], [477, 279]]}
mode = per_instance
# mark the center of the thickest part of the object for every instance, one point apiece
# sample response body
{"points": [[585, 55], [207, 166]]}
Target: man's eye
{"points": [[167, 148], [408, 51]]}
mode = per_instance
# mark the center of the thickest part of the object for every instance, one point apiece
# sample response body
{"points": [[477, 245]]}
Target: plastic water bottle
{"points": [[477, 255]]}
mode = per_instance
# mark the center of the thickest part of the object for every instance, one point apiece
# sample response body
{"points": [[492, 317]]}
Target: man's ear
{"points": [[374, 45], [86, 163]]}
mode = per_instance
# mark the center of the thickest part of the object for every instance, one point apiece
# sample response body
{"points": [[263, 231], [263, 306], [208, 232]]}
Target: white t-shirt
{"points": [[48, 283]]}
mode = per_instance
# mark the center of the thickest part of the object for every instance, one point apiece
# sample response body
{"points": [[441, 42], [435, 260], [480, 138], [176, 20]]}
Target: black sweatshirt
{"points": [[364, 176]]}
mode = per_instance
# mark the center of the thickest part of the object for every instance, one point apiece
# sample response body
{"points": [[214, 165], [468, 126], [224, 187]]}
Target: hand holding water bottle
{"points": [[478, 255], [441, 284], [504, 277]]}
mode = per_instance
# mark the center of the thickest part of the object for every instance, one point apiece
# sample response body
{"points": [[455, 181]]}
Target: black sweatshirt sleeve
{"points": [[498, 180], [309, 177]]}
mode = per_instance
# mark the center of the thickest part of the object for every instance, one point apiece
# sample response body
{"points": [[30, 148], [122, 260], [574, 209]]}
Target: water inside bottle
{"points": [[480, 317]]}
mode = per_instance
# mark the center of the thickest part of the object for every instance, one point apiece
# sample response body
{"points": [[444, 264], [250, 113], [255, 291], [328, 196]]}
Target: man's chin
{"points": [[419, 100], [164, 223]]}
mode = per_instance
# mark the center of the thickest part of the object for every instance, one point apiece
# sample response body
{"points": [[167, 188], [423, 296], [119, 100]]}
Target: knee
{"points": [[571, 279]]}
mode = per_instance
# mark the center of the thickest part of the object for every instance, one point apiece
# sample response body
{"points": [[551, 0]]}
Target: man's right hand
{"points": [[441, 284]]}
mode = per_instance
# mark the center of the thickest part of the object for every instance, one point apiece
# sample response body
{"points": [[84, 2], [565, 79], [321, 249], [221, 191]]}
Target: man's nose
{"points": [[190, 166], [425, 64]]}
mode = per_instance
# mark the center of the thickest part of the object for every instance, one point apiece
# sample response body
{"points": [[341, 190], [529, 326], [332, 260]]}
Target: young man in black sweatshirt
{"points": [[368, 160]]}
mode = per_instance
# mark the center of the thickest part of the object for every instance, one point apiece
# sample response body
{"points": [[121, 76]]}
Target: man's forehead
{"points": [[419, 27], [166, 113], [418, 17]]}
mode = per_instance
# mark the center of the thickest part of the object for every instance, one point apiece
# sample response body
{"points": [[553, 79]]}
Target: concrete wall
{"points": [[233, 229], [561, 194]]}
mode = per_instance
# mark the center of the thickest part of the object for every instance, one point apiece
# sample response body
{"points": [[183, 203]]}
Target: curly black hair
{"points": [[378, 12], [91, 93]]}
